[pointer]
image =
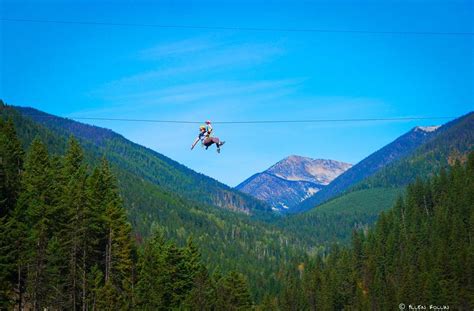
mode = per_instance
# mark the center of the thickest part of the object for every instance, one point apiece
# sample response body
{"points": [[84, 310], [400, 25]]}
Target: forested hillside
{"points": [[453, 142], [399, 148], [334, 221], [361, 205], [148, 164], [66, 243], [420, 253], [81, 226], [227, 240]]}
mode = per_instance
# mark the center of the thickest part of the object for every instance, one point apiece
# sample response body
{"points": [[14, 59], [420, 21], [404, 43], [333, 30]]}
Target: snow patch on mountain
{"points": [[309, 193], [428, 129]]}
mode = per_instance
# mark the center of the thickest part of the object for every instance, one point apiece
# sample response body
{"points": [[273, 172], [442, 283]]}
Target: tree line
{"points": [[66, 243], [228, 240], [420, 252]]}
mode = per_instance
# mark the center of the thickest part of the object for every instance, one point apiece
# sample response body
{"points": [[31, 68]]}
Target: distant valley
{"points": [[318, 202]]}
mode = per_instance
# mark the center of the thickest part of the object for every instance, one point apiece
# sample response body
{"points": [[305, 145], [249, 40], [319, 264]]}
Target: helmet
{"points": [[202, 127], [208, 122]]}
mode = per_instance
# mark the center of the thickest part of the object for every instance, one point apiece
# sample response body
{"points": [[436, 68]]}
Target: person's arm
{"points": [[195, 142], [209, 130]]}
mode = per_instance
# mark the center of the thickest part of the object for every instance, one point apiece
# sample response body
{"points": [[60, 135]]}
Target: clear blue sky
{"points": [[190, 74]]}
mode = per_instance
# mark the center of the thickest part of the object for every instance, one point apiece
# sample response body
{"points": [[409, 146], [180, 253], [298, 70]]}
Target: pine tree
{"points": [[118, 260], [269, 303], [14, 246], [95, 282], [11, 163], [176, 279], [151, 274], [469, 259], [193, 265], [55, 271], [74, 206], [36, 200], [7, 264], [202, 296], [109, 298], [232, 293], [200, 292], [311, 284], [97, 197], [292, 297]]}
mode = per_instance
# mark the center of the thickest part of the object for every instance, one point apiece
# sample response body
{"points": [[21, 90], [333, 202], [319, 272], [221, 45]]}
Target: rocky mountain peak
{"points": [[292, 180], [298, 168]]}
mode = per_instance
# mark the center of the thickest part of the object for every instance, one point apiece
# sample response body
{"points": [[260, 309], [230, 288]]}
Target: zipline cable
{"points": [[246, 122], [258, 29]]}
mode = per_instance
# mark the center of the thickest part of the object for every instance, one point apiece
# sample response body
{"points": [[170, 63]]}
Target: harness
{"points": [[202, 138], [207, 134]]}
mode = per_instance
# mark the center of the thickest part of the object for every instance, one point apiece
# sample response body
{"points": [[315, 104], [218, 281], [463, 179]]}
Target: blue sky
{"points": [[199, 74]]}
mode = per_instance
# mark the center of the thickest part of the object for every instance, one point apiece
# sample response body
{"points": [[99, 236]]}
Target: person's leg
{"points": [[218, 143], [207, 142]]}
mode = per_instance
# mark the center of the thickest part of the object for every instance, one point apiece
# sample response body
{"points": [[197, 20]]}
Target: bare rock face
{"points": [[318, 171], [292, 180]]}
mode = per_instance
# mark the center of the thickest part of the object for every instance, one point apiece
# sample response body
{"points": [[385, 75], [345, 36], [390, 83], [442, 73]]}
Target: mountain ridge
{"points": [[311, 166], [453, 141], [228, 239], [398, 148], [291, 180], [159, 169]]}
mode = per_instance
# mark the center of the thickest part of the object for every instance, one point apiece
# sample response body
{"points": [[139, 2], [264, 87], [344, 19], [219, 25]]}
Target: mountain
{"points": [[420, 250], [452, 142], [291, 180], [360, 205], [155, 194], [227, 238], [148, 164], [318, 171], [399, 148]]}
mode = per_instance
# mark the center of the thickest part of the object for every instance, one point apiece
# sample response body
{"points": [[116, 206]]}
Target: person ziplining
{"points": [[205, 136]]}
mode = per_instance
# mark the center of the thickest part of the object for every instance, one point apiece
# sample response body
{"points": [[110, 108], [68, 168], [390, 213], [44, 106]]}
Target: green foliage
{"points": [[454, 142], [68, 245], [11, 163], [400, 148], [334, 221], [76, 202], [420, 252], [52, 243], [232, 293], [226, 239], [147, 164]]}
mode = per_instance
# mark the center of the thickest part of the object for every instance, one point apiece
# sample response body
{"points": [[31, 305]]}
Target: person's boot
{"points": [[221, 143], [218, 150]]}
